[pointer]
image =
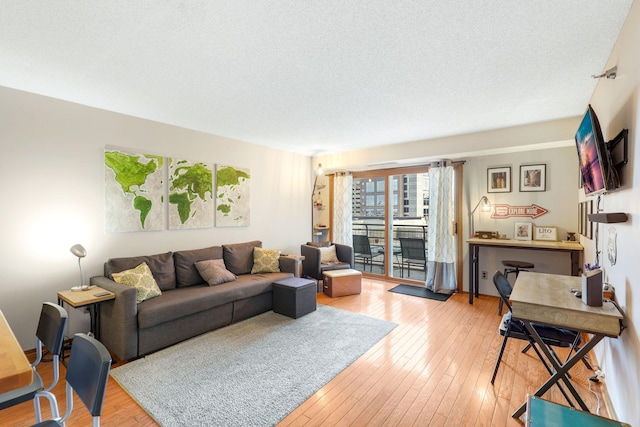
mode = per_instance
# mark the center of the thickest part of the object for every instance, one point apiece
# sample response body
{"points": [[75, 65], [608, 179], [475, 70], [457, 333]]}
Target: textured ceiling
{"points": [[315, 77]]}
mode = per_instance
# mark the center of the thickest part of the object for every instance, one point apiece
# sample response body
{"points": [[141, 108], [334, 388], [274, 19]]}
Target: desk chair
{"points": [[512, 328], [50, 334], [87, 374], [513, 267]]}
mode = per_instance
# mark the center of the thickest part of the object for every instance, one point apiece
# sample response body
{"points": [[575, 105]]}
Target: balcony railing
{"points": [[409, 265]]}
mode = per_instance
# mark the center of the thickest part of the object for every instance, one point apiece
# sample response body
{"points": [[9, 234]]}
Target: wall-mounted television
{"points": [[596, 167]]}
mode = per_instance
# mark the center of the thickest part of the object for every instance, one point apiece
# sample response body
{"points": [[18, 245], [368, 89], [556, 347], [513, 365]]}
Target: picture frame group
{"points": [[532, 178], [528, 231]]}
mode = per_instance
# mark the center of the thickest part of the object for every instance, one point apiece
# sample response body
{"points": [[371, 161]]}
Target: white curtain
{"points": [[441, 274], [342, 219]]}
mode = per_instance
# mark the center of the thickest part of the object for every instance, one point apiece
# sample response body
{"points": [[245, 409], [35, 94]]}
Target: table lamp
{"points": [[79, 251], [485, 206]]}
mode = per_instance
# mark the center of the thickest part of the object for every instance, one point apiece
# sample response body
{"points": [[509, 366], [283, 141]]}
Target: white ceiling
{"points": [[315, 77]]}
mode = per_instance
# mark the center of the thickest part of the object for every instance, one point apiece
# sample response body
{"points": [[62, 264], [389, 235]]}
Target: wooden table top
{"points": [[15, 370], [81, 298], [562, 245], [547, 298]]}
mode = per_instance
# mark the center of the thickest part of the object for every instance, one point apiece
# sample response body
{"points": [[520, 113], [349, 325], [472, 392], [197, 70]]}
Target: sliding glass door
{"points": [[390, 222]]}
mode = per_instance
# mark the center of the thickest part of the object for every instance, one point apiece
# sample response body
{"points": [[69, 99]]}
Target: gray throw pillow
{"points": [[214, 272], [238, 257]]}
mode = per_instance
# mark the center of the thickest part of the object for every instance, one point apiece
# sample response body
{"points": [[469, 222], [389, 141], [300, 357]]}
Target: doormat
{"points": [[419, 291]]}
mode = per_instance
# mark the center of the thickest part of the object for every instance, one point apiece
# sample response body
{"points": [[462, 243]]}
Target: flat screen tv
{"points": [[596, 167]]}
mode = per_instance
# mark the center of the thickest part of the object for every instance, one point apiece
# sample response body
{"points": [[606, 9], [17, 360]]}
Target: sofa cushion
{"points": [[328, 255], [238, 257], [265, 261], [186, 272], [214, 272], [140, 278], [161, 266], [183, 302]]}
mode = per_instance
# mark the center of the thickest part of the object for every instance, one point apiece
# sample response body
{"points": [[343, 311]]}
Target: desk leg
{"points": [[561, 370], [575, 263], [474, 271]]}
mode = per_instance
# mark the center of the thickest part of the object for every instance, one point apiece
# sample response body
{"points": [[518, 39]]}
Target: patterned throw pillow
{"points": [[328, 255], [265, 261], [140, 278], [214, 272]]}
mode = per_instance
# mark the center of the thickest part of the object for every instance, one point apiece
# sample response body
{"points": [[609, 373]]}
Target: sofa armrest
{"points": [[290, 264], [345, 254], [118, 319], [311, 263]]}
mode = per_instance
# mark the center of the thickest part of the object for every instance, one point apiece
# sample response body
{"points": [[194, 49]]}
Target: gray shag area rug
{"points": [[252, 373]]}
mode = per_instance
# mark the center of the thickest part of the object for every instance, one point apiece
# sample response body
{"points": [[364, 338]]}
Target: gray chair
{"points": [[362, 250], [87, 375], [413, 252], [50, 334], [312, 265], [513, 267]]}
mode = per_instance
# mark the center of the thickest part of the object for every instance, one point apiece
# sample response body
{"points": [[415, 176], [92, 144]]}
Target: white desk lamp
{"points": [[79, 251]]}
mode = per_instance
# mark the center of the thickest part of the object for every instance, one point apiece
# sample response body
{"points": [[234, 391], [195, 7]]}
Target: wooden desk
{"points": [[574, 248], [547, 298], [15, 370]]}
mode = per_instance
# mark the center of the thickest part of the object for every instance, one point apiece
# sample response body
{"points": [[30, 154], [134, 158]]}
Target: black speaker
{"points": [[592, 288]]}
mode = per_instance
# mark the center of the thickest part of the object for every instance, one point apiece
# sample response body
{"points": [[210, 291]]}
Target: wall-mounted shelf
{"points": [[608, 218]]}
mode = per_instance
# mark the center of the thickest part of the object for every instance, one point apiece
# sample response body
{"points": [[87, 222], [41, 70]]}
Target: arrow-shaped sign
{"points": [[508, 211]]}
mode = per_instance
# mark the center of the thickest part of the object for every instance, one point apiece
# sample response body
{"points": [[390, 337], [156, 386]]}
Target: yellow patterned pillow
{"points": [[265, 261], [140, 278]]}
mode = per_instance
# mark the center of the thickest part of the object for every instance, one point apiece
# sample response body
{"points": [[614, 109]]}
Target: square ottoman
{"points": [[294, 297], [338, 283]]}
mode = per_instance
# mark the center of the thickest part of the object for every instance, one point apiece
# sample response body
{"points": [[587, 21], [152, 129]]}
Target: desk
{"points": [[15, 369], [87, 298], [547, 298], [574, 248]]}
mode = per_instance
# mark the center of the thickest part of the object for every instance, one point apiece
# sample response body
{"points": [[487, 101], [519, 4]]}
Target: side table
{"points": [[91, 298]]}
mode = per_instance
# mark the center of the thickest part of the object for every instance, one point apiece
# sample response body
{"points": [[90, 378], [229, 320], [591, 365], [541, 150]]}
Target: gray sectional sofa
{"points": [[188, 306]]}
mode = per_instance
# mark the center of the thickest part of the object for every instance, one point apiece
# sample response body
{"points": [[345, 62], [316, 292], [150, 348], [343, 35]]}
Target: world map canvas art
{"points": [[233, 187], [190, 194], [134, 191]]}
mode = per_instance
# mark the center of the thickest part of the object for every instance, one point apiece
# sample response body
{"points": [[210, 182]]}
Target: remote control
{"points": [[102, 294]]}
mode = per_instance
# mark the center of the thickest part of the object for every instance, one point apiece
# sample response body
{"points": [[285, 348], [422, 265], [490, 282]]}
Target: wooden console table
{"points": [[574, 248], [15, 369]]}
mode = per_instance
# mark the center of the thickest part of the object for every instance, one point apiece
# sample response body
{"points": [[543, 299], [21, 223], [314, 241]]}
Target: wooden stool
{"points": [[513, 267]]}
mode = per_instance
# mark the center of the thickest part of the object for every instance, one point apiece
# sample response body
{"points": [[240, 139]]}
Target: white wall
{"points": [[616, 104], [560, 199], [52, 176]]}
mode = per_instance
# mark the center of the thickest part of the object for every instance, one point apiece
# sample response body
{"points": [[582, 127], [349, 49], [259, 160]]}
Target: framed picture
{"points": [[533, 177], [580, 216], [499, 180], [545, 233], [522, 231]]}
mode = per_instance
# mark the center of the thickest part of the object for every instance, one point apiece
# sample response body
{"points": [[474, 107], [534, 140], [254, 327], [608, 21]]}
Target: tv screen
{"points": [[598, 174]]}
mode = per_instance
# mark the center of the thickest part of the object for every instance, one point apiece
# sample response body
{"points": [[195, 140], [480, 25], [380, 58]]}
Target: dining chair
{"points": [[87, 375], [50, 335]]}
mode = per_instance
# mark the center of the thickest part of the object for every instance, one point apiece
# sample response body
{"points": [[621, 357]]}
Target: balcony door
{"points": [[391, 223]]}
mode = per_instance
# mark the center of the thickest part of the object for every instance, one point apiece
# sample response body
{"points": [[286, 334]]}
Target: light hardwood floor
{"points": [[433, 369]]}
